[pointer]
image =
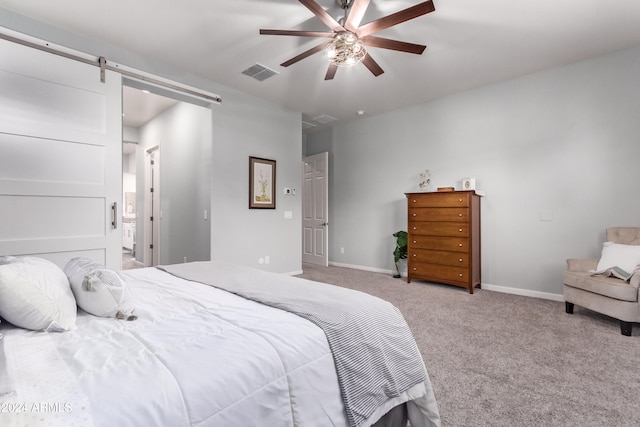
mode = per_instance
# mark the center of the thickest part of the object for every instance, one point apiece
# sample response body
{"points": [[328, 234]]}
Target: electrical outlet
{"points": [[267, 260], [342, 250]]}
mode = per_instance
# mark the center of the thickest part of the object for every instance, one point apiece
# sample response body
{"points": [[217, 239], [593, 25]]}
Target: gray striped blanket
{"points": [[375, 354]]}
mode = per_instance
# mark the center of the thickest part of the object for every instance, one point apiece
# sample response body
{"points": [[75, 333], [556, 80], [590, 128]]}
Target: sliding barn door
{"points": [[60, 157]]}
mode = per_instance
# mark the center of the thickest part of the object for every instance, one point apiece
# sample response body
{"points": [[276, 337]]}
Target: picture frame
{"points": [[262, 183]]}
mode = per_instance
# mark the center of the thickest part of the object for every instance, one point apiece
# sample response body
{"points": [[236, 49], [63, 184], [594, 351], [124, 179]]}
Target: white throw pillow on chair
{"points": [[619, 256]]}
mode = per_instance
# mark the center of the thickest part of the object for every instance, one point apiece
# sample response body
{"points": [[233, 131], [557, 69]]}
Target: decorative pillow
{"points": [[98, 290], [618, 260], [35, 294], [6, 386]]}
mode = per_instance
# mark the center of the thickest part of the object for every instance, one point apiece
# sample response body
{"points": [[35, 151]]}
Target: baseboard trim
{"points": [[360, 267], [294, 273], [523, 292], [485, 286]]}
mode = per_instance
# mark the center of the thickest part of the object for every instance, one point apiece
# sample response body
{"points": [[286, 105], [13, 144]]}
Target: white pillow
{"points": [[35, 294], [625, 257], [98, 290]]}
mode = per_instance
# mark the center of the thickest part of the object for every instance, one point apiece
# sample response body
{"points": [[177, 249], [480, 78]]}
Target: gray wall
{"points": [[250, 127], [242, 126], [564, 142], [183, 134]]}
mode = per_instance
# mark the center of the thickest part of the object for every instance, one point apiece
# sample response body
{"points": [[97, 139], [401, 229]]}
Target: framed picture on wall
{"points": [[262, 183]]}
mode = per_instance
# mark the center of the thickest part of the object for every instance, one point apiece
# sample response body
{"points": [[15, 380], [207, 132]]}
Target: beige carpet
{"points": [[505, 360]]}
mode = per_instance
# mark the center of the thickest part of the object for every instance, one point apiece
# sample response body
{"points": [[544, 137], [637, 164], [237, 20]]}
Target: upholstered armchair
{"points": [[608, 292]]}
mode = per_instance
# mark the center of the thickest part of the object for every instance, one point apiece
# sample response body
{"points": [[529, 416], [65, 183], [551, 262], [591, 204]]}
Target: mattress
{"points": [[195, 356]]}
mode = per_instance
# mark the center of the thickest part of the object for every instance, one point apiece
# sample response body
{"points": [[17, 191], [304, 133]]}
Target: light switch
{"points": [[288, 215]]}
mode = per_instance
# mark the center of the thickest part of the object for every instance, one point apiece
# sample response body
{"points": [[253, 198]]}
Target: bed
{"points": [[214, 344]]}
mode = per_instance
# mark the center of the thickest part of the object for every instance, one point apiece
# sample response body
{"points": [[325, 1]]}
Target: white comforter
{"points": [[196, 356]]}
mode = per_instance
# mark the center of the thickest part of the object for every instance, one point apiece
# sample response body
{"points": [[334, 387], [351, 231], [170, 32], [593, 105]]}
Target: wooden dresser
{"points": [[444, 238]]}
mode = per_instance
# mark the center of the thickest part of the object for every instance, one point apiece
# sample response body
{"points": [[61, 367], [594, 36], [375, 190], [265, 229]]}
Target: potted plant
{"points": [[400, 252]]}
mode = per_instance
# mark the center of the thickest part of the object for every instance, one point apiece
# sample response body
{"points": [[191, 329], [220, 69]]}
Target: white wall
{"points": [[564, 140]]}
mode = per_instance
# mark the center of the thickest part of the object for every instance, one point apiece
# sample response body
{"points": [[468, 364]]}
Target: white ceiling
{"points": [[139, 107], [470, 43]]}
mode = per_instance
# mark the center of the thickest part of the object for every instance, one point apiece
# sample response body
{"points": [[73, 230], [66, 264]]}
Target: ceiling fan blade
{"points": [[372, 65], [297, 33], [331, 72], [396, 18], [383, 43], [322, 15], [305, 54], [358, 8]]}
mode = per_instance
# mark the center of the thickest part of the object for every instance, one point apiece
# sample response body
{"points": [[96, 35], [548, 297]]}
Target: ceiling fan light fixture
{"points": [[346, 50]]}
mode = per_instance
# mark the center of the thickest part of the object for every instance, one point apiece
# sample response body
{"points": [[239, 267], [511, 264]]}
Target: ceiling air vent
{"points": [[259, 72], [324, 119]]}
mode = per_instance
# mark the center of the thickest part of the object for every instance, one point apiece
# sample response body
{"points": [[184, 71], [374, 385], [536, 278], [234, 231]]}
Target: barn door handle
{"points": [[114, 215]]}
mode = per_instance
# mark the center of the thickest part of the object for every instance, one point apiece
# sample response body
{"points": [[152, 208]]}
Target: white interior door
{"points": [[61, 157], [315, 209]]}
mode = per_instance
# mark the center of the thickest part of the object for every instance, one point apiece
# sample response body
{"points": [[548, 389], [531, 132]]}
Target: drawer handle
{"points": [[414, 200], [414, 269], [460, 274], [460, 230], [460, 244], [415, 241], [460, 200], [414, 214], [414, 228], [415, 255], [460, 215], [460, 260]]}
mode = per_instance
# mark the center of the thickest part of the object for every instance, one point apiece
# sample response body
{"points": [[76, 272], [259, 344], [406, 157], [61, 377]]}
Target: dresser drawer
{"points": [[438, 200], [439, 228], [436, 273], [439, 214], [457, 244], [458, 259]]}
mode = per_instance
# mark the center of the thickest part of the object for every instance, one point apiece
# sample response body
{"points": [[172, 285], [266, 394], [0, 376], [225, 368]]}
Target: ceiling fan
{"points": [[348, 38]]}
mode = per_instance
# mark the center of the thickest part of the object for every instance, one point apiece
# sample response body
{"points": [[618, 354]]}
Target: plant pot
{"points": [[396, 271]]}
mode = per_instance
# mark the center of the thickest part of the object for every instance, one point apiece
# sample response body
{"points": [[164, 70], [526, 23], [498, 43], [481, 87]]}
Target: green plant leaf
{"points": [[400, 252]]}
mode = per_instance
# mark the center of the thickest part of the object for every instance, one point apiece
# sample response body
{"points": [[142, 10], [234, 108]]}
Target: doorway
{"points": [[172, 206], [315, 209], [129, 202], [140, 106]]}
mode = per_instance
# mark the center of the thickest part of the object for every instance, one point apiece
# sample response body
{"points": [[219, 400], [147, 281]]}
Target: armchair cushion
{"points": [[607, 286], [582, 264]]}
